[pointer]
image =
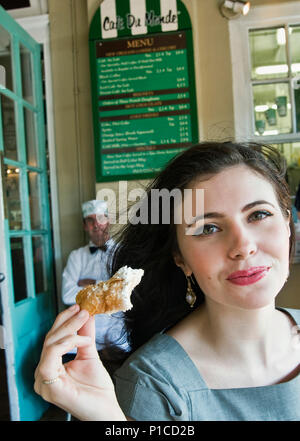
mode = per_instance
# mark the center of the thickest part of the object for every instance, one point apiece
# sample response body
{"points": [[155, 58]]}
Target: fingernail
{"points": [[73, 307], [82, 313]]}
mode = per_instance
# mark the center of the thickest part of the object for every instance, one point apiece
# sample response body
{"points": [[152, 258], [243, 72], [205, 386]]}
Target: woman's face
{"points": [[239, 249]]}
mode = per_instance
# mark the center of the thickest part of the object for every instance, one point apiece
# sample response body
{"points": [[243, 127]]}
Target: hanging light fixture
{"points": [[234, 8]]}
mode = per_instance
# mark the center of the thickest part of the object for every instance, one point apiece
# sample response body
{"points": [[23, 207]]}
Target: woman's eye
{"points": [[206, 230], [259, 215]]}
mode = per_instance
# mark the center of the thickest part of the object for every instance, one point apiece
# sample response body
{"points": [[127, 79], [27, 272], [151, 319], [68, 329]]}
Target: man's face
{"points": [[97, 228]]}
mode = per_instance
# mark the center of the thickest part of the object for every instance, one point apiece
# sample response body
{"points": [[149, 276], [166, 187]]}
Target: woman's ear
{"points": [[179, 261]]}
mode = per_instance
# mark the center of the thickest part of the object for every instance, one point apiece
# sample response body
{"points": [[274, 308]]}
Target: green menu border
{"points": [[184, 24]]}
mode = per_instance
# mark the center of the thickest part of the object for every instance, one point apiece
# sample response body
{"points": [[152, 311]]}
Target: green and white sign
{"points": [[143, 91]]}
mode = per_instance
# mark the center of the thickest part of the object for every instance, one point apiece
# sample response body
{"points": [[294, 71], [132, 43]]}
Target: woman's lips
{"points": [[247, 277]]}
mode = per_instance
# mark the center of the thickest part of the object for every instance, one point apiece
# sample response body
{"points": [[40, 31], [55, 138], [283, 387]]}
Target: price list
{"points": [[143, 101]]}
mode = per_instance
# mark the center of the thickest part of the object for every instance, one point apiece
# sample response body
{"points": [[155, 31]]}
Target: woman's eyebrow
{"points": [[217, 215], [253, 204], [205, 216]]}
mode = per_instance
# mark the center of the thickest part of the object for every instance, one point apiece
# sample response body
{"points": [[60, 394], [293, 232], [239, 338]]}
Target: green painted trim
{"points": [[22, 233], [14, 28], [9, 275], [36, 312], [1, 130], [10, 94], [15, 163]]}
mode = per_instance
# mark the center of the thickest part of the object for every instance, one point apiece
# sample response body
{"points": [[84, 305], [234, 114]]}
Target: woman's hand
{"points": [[82, 386]]}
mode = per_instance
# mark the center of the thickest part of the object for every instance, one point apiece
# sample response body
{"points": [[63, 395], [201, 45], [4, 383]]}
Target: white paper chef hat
{"points": [[94, 207]]}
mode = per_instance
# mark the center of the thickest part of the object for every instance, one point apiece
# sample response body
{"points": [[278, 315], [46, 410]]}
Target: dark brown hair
{"points": [[159, 300]]}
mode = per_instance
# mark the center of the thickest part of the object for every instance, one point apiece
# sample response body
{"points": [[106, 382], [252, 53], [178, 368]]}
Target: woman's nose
{"points": [[242, 244]]}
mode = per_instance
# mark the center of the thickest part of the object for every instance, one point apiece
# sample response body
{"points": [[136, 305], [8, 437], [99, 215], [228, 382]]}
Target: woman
{"points": [[217, 348]]}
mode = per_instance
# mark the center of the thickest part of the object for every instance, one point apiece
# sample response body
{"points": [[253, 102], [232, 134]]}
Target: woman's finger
{"points": [[88, 328], [88, 351], [60, 341], [50, 365], [64, 316], [67, 327]]}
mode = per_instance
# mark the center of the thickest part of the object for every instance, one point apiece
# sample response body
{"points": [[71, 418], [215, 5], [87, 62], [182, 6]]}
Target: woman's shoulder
{"points": [[150, 384], [158, 351], [162, 358]]}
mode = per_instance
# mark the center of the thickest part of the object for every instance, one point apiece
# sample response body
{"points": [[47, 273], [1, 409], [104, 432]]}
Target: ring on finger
{"points": [[50, 381]]}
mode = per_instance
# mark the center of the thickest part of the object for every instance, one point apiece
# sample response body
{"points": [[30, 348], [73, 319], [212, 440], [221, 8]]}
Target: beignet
{"points": [[112, 295]]}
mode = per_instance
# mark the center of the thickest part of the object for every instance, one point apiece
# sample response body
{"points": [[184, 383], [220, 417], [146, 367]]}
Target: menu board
{"points": [[143, 103]]}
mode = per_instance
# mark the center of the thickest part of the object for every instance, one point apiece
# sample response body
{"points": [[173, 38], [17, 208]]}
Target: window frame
{"points": [[38, 27], [259, 17]]}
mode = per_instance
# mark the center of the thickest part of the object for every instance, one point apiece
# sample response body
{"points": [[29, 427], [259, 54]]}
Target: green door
{"points": [[27, 293]]}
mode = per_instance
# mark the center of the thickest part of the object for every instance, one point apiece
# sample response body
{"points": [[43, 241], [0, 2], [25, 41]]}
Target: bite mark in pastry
{"points": [[110, 296]]}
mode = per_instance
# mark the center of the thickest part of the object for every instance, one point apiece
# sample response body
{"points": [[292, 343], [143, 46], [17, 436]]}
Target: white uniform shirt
{"points": [[82, 264]]}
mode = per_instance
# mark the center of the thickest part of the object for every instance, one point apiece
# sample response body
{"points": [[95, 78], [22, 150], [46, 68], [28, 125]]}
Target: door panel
{"points": [[18, 269], [26, 260]]}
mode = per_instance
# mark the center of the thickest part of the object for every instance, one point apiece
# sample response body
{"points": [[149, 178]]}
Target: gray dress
{"points": [[159, 382]]}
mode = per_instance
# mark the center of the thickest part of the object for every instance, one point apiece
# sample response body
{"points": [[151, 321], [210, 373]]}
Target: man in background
{"points": [[89, 265]]}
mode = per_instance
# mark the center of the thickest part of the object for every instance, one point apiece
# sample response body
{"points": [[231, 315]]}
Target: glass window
{"points": [[275, 81], [40, 275], [18, 268], [265, 52], [294, 37], [34, 200], [272, 108], [30, 137], [9, 128], [5, 59], [291, 152], [268, 53], [12, 191], [27, 74]]}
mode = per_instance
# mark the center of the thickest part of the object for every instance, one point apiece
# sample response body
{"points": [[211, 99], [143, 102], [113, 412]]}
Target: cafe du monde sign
{"points": [[143, 86], [138, 19], [132, 21]]}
